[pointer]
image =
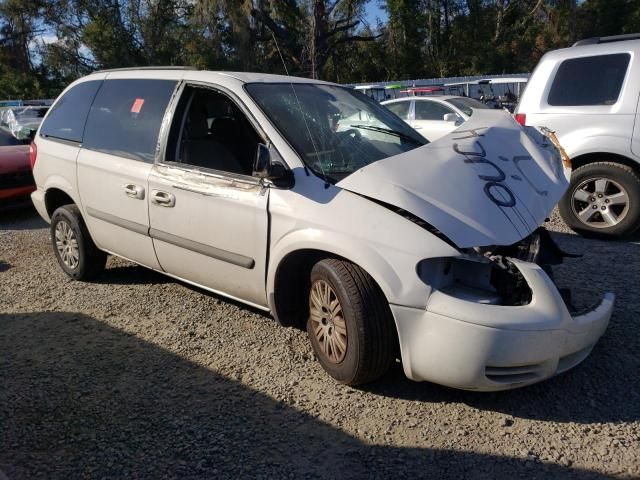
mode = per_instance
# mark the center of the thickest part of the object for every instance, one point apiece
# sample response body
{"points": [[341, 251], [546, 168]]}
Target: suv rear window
{"points": [[126, 115], [593, 80], [67, 117]]}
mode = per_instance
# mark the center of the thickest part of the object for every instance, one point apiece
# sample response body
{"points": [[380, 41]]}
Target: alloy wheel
{"points": [[67, 244], [328, 323], [600, 202]]}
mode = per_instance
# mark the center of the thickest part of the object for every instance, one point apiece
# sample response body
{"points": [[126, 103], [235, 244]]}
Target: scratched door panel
{"points": [[215, 232]]}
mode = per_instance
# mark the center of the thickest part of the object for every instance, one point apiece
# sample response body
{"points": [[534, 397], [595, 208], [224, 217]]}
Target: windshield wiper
{"points": [[389, 131]]}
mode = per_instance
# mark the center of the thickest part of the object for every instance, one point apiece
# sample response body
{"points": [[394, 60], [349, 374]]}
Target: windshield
{"points": [[466, 104], [335, 130]]}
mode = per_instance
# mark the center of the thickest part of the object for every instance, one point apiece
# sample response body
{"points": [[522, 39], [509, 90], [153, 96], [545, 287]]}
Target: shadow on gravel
{"points": [[131, 275], [606, 384], [81, 399], [22, 217]]}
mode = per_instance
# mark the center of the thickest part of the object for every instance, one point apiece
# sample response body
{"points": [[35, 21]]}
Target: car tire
{"points": [[72, 245], [587, 207], [350, 325]]}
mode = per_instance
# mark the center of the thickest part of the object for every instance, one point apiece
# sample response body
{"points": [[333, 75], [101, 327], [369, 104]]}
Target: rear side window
{"points": [[428, 110], [67, 117], [125, 117], [401, 109], [593, 80]]}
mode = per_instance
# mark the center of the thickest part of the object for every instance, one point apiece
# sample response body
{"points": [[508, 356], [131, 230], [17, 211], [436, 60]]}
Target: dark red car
{"points": [[16, 179]]}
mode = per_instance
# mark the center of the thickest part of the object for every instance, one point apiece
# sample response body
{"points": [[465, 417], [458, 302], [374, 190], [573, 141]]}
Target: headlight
{"points": [[500, 281]]}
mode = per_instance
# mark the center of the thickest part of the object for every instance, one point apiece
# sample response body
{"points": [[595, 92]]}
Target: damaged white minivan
{"points": [[310, 201]]}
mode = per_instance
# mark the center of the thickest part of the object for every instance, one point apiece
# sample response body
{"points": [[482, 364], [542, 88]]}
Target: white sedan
{"points": [[434, 117]]}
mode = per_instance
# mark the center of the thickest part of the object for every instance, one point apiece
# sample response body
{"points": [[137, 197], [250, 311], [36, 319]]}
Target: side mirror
{"points": [[264, 167], [262, 163], [450, 117]]}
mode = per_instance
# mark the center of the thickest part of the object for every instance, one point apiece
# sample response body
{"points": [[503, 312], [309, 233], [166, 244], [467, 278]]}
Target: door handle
{"points": [[134, 191], [164, 199], [417, 128]]}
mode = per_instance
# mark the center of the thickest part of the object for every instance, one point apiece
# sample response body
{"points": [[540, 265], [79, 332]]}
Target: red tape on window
{"points": [[137, 105]]}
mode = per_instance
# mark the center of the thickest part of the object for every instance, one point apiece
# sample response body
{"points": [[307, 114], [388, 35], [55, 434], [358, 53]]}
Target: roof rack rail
{"points": [[613, 38], [126, 69]]}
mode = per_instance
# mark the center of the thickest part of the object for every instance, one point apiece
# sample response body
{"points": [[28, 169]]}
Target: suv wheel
{"points": [[76, 253], [350, 325], [603, 200]]}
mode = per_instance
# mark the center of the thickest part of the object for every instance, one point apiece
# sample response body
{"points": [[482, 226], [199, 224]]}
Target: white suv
{"points": [[273, 191], [588, 94]]}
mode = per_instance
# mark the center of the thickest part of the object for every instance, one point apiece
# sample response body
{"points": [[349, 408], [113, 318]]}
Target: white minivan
{"points": [[382, 245]]}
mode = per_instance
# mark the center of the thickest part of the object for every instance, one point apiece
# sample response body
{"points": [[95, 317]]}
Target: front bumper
{"points": [[464, 344]]}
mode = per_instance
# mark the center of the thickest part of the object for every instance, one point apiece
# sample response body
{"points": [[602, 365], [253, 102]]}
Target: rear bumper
{"points": [[471, 346], [37, 197]]}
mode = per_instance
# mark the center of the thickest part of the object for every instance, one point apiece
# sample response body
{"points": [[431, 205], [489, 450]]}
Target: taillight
{"points": [[521, 118], [33, 153]]}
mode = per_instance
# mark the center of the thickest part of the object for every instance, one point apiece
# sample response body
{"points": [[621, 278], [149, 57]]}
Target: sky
{"points": [[373, 11]]}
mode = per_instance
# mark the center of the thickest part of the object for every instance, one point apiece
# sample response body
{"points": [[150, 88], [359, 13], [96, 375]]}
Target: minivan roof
{"points": [[189, 73]]}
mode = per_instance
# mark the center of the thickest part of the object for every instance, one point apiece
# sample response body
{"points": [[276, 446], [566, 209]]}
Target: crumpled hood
{"points": [[490, 182]]}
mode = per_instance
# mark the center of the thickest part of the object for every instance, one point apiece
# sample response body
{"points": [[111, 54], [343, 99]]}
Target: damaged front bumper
{"points": [[463, 340]]}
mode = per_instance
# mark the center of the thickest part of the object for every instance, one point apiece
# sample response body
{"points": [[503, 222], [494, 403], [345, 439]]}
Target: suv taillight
{"points": [[521, 118], [33, 154]]}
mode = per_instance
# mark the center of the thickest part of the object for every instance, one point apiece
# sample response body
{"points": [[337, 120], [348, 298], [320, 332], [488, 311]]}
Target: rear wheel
{"points": [[603, 200], [74, 249], [350, 325]]}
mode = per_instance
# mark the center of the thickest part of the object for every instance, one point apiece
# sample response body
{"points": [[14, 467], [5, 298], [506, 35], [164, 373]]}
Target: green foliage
{"points": [[45, 44]]}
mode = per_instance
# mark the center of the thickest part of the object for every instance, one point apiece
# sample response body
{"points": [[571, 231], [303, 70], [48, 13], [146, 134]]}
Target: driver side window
{"points": [[210, 131]]}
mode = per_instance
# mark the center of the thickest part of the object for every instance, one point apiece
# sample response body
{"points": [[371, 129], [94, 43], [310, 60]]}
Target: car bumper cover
{"points": [[473, 346]]}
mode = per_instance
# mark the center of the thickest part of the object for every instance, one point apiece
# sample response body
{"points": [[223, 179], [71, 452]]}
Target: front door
{"points": [[208, 215], [118, 150]]}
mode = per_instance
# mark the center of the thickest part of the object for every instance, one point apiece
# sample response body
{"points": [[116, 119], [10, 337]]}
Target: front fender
{"points": [[385, 244]]}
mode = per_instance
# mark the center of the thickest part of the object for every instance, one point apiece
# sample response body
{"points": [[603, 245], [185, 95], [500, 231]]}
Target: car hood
{"points": [[490, 182]]}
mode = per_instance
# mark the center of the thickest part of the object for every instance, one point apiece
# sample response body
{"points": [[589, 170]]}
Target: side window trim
{"points": [[169, 119]]}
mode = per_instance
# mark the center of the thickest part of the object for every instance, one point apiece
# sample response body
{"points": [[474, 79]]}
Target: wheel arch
{"points": [[55, 197], [593, 157], [288, 284]]}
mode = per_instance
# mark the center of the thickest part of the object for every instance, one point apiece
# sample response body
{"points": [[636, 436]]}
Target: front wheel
{"points": [[350, 325], [603, 200], [74, 249]]}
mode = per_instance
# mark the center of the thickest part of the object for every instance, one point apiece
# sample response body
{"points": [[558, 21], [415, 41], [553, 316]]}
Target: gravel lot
{"points": [[139, 376]]}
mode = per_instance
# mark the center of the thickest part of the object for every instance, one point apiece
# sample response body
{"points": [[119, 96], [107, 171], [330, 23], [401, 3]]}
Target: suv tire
{"points": [[603, 200], [350, 325], [72, 245]]}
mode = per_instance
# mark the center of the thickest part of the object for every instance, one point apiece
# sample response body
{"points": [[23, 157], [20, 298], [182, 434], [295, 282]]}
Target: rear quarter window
{"points": [[67, 117], [126, 115], [595, 80]]}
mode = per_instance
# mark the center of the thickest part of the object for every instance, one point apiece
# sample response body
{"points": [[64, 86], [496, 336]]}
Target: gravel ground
{"points": [[139, 376]]}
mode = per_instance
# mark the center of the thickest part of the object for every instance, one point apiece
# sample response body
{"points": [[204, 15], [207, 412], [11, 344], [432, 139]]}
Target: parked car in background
{"points": [[310, 200], [588, 94], [436, 116], [22, 122], [16, 179]]}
